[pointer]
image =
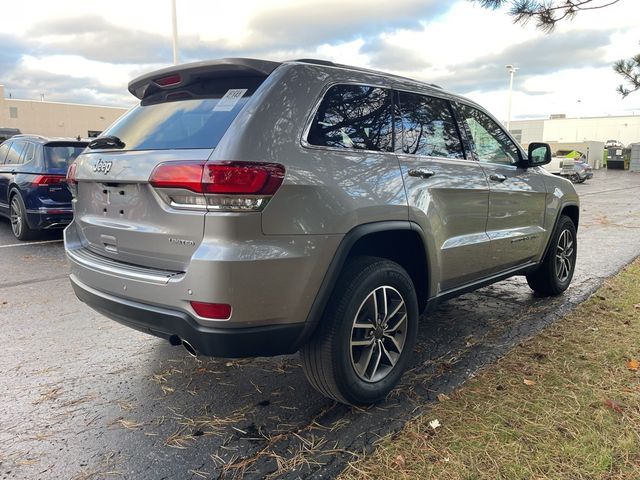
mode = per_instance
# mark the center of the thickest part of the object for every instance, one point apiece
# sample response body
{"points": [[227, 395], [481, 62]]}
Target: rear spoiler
{"points": [[182, 75]]}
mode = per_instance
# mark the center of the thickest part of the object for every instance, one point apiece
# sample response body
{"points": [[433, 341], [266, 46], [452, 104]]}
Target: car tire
{"points": [[554, 274], [17, 214], [352, 357]]}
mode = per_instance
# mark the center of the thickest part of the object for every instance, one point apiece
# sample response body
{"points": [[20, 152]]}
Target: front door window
{"points": [[492, 144]]}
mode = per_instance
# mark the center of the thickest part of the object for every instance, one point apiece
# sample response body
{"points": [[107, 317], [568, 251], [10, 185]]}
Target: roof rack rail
{"points": [[30, 135], [315, 61]]}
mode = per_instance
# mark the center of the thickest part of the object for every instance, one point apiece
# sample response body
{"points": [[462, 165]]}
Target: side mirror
{"points": [[539, 154]]}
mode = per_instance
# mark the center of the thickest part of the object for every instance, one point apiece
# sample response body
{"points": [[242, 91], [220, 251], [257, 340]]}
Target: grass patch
{"points": [[563, 405]]}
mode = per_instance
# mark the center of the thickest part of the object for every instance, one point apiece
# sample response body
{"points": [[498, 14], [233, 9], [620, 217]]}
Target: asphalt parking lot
{"points": [[83, 397]]}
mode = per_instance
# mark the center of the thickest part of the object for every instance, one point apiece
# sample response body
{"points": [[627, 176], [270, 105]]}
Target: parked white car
{"points": [[570, 164], [555, 166]]}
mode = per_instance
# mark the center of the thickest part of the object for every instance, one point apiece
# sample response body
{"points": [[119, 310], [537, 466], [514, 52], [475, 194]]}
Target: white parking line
{"points": [[30, 243]]}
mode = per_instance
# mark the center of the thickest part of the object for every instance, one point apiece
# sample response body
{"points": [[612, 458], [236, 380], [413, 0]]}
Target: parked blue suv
{"points": [[33, 190]]}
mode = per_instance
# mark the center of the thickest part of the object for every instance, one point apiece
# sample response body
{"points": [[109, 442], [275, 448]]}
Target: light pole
{"points": [[511, 70], [174, 22]]}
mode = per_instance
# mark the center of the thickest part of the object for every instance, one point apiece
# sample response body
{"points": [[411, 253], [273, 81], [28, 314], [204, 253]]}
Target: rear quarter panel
{"points": [[325, 191]]}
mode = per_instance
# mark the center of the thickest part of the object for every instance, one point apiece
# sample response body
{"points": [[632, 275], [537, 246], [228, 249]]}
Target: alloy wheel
{"points": [[564, 255], [16, 217], [378, 334]]}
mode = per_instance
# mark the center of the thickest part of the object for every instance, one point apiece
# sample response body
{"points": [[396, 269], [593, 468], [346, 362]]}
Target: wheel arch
{"points": [[13, 190], [571, 210], [399, 241]]}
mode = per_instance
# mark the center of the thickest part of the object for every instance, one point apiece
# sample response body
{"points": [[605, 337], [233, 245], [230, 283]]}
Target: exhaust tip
{"points": [[189, 348]]}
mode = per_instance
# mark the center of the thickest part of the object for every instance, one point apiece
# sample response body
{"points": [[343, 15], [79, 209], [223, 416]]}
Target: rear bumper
{"points": [[49, 218], [270, 283], [173, 325]]}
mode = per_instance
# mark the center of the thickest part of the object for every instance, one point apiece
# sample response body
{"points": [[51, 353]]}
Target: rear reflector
{"points": [[48, 179], [169, 80], [218, 311]]}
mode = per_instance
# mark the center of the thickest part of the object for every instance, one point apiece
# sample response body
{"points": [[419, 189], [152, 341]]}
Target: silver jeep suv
{"points": [[249, 208]]}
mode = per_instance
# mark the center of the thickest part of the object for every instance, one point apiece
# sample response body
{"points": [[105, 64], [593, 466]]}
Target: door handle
{"points": [[421, 172], [497, 177]]}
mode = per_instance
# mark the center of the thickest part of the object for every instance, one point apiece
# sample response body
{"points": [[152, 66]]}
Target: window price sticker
{"points": [[229, 100]]}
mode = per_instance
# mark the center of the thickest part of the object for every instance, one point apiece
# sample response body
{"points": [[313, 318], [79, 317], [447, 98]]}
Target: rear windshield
{"points": [[60, 156], [196, 117]]}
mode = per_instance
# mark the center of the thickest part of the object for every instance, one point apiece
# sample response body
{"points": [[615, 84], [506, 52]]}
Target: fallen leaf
{"points": [[529, 382], [399, 460], [615, 406], [443, 397], [637, 305], [434, 423], [633, 364]]}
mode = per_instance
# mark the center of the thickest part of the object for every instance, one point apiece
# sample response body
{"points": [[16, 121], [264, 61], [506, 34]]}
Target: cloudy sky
{"points": [[86, 51]]}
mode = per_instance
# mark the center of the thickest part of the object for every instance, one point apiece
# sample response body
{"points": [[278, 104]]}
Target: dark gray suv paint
{"points": [[247, 208]]}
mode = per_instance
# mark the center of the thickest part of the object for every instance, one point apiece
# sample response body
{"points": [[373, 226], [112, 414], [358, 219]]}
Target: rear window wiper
{"points": [[108, 141]]}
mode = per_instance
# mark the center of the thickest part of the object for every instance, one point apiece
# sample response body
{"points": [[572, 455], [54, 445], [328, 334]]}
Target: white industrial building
{"points": [[558, 129]]}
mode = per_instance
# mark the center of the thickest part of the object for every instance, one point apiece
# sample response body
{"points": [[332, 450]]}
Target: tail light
{"points": [[71, 179], [217, 186], [48, 180]]}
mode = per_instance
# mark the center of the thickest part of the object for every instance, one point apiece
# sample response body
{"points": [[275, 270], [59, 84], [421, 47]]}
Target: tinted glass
{"points": [[428, 127], [194, 118], [4, 149], [492, 145], [59, 157], [354, 117], [28, 153], [13, 157]]}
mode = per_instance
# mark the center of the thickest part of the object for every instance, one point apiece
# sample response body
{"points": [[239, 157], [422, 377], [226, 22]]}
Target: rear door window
{"points": [[4, 149], [428, 127], [15, 152], [59, 156], [28, 153], [354, 117], [196, 117]]}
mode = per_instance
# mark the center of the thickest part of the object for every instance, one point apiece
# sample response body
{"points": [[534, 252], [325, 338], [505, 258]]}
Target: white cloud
{"points": [[440, 42], [78, 67]]}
